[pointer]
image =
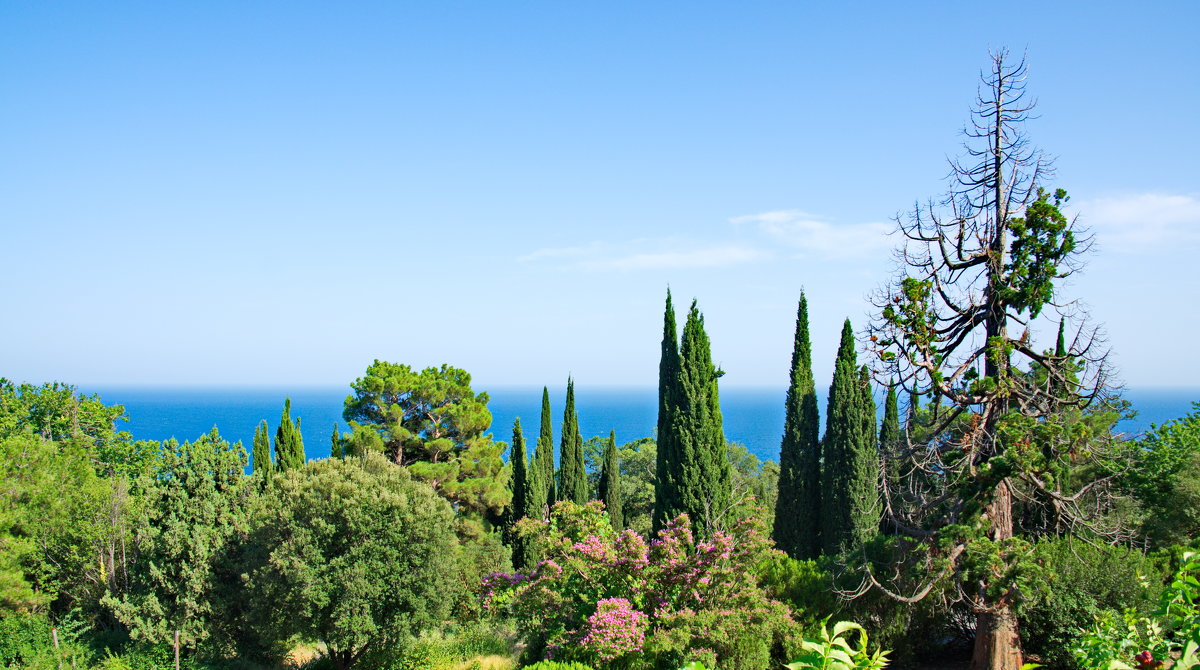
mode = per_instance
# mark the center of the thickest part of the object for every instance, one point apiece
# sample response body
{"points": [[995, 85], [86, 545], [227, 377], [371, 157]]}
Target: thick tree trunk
{"points": [[997, 642]]}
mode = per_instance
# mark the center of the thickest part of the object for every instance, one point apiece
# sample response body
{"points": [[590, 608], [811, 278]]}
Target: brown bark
{"points": [[997, 641]]}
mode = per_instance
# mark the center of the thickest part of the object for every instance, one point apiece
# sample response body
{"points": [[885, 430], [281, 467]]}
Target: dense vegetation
{"points": [[993, 508]]}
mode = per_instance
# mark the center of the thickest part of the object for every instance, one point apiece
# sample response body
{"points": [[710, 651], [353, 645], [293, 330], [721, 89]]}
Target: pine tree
{"points": [[520, 492], [845, 433], [610, 483], [798, 508], [289, 444], [666, 504], [890, 444], [704, 485], [335, 443], [261, 453], [543, 454], [572, 480]]}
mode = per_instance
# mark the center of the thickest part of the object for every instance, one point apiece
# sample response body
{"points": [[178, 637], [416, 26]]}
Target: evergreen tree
{"points": [[610, 483], [866, 512], [572, 480], [666, 505], [704, 484], [890, 443], [261, 453], [520, 492], [846, 438], [543, 454], [798, 508], [289, 445], [335, 443]]}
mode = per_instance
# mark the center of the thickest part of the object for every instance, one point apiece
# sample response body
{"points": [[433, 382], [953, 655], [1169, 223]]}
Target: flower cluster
{"points": [[615, 630]]}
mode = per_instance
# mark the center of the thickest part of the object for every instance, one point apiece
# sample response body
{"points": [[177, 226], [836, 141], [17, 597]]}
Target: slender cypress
{"points": [[289, 444], [704, 485], [520, 492], [572, 480], [844, 431], [798, 508], [261, 461], [890, 444], [666, 505], [610, 483], [865, 480], [543, 453], [335, 443]]}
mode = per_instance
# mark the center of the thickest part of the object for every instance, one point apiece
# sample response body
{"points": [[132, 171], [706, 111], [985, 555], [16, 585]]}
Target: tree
{"points": [[520, 491], [666, 504], [289, 443], [355, 554], [336, 449], [700, 463], [572, 477], [984, 262], [543, 460], [889, 444], [610, 483], [850, 475], [797, 528], [432, 423], [260, 461]]}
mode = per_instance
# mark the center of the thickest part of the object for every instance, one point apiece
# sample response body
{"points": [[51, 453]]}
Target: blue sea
{"points": [[753, 417]]}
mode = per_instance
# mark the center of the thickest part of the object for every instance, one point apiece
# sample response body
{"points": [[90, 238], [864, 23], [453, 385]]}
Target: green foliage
{"points": [[1165, 478], [833, 649], [572, 477], [260, 459], [798, 509], [24, 639], [520, 493], [289, 443], [1042, 239], [610, 483], [432, 423], [890, 442], [555, 665], [666, 504], [353, 553], [638, 461]]}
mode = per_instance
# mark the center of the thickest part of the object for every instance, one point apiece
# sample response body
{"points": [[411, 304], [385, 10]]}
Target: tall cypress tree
{"points": [[865, 479], [261, 461], [289, 444], [572, 480], [844, 433], [890, 444], [704, 484], [610, 483], [335, 443], [543, 454], [520, 492], [798, 508], [666, 504]]}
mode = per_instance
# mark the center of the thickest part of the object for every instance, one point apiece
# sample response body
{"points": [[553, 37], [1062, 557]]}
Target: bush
{"points": [[24, 638], [1082, 582], [555, 665]]}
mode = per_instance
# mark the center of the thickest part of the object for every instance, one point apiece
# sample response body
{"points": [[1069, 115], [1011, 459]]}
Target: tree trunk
{"points": [[997, 642]]}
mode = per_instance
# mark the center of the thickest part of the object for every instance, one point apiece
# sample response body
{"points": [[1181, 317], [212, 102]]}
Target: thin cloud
{"points": [[1141, 222], [647, 254], [810, 233]]}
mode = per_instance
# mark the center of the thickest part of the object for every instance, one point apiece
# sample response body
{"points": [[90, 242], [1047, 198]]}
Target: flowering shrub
{"points": [[610, 599]]}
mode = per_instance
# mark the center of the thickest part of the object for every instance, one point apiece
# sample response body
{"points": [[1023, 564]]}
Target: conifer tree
{"points": [[335, 442], [890, 444], [572, 480], [666, 505], [520, 492], [610, 483], [866, 511], [849, 441], [543, 455], [289, 444], [261, 453], [704, 484], [798, 508]]}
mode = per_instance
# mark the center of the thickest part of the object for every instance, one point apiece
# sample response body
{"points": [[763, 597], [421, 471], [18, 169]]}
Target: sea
{"points": [[752, 416]]}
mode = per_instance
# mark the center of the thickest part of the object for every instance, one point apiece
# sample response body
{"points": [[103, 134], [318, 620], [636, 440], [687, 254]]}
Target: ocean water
{"points": [[753, 417]]}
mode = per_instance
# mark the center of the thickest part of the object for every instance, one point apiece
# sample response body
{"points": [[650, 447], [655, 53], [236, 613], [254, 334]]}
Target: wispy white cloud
{"points": [[814, 234], [1144, 221], [647, 254]]}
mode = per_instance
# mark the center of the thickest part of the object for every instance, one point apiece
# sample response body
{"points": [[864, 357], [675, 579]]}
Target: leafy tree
{"points": [[666, 497], [638, 460], [700, 464], [355, 554], [572, 477], [610, 483], [955, 328], [261, 454], [797, 528], [289, 443], [198, 502], [432, 423], [1165, 479], [850, 479]]}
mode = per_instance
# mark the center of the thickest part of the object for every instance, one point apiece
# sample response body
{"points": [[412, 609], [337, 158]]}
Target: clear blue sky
{"points": [[277, 193]]}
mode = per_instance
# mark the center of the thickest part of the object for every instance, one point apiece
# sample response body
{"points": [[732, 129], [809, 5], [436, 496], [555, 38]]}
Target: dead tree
{"points": [[977, 275]]}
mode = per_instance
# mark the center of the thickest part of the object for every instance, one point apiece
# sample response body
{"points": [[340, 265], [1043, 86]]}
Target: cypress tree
{"points": [[704, 485], [543, 454], [844, 433], [335, 443], [890, 443], [261, 453], [865, 480], [610, 483], [798, 508], [289, 444], [666, 505], [520, 491], [572, 480]]}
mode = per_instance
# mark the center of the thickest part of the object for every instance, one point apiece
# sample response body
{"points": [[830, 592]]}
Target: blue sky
{"points": [[277, 193]]}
